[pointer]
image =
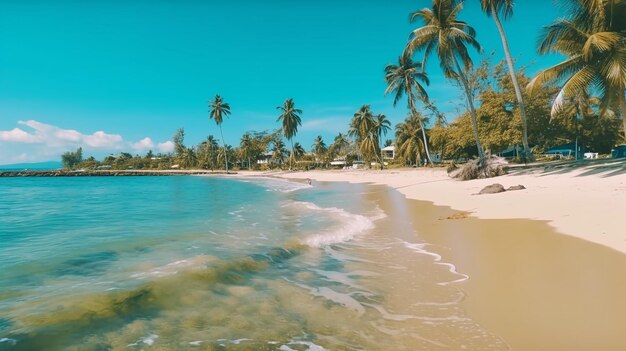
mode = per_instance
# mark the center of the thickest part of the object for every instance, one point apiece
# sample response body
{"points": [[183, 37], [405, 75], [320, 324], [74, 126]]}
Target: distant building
{"points": [[338, 162], [264, 159], [389, 152], [565, 150]]}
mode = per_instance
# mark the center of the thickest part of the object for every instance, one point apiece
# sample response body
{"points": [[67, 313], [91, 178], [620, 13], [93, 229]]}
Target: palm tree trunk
{"points": [[470, 104], [291, 156], [225, 151], [414, 112], [380, 153], [418, 155], [622, 104], [518, 90]]}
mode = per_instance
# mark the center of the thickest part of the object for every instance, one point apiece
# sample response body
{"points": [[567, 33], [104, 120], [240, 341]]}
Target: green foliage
{"points": [[206, 155], [290, 118], [71, 159], [320, 151], [368, 131], [593, 38], [409, 146], [447, 36], [179, 142], [218, 109], [279, 152]]}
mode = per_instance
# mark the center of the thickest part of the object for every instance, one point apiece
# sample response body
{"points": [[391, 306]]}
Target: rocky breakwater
{"points": [[103, 173]]}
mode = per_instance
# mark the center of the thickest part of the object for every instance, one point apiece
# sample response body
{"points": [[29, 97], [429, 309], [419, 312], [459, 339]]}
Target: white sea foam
{"points": [[148, 340], [403, 317], [311, 346], [8, 341], [352, 225], [378, 214], [172, 267], [345, 300], [452, 268], [281, 185]]}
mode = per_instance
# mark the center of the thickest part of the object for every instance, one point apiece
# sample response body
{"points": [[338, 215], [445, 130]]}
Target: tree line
{"points": [[581, 98]]}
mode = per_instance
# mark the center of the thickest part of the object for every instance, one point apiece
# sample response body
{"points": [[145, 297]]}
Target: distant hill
{"points": [[36, 165]]}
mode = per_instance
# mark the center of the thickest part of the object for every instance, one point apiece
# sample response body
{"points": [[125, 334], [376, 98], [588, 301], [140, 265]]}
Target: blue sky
{"points": [[124, 75]]}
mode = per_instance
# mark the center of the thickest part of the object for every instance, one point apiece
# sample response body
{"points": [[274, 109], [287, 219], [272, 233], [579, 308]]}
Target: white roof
{"points": [[389, 148]]}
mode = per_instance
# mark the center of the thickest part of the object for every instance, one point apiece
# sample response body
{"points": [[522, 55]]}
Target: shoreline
{"points": [[109, 173], [586, 201]]}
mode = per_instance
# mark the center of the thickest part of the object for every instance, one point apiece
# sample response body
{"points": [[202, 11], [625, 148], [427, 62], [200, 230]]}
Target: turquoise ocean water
{"points": [[207, 263]]}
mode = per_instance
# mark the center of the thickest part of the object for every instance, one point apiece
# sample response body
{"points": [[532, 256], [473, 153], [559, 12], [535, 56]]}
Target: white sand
{"points": [[588, 202]]}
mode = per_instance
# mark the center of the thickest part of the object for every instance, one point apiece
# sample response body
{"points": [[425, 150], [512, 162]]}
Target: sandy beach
{"points": [[534, 287], [586, 200]]}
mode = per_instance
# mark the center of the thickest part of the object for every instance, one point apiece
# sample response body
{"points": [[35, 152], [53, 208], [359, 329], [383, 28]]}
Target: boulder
{"points": [[492, 189], [516, 187]]}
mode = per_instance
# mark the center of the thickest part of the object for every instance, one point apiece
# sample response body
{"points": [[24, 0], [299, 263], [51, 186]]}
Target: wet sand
{"points": [[534, 287], [584, 199]]}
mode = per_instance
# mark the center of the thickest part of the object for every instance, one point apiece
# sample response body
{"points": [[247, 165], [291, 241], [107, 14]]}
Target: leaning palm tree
{"points": [[495, 8], [593, 37], [290, 117], [404, 78], [217, 110], [448, 37]]}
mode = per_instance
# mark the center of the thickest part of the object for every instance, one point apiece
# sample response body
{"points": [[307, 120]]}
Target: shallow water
{"points": [[174, 263]]}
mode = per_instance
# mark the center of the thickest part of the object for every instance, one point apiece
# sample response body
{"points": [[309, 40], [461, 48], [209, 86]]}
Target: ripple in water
{"points": [[175, 263]]}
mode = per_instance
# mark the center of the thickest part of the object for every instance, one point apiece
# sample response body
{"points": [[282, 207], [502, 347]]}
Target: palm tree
{"points": [[404, 78], [449, 37], [495, 8], [408, 143], [593, 38], [319, 148], [340, 143], [362, 123], [298, 150], [246, 147], [278, 152], [223, 153], [381, 127], [217, 110], [361, 126], [290, 117]]}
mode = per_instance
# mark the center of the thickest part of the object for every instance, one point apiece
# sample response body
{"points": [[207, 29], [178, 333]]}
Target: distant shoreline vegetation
{"points": [[579, 102], [8, 173]]}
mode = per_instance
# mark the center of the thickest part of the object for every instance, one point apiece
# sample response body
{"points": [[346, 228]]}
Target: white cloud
{"points": [[17, 135], [103, 140], [45, 142], [67, 135], [167, 146], [143, 144], [326, 124]]}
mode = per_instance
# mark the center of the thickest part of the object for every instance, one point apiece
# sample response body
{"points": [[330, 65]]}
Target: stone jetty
{"points": [[106, 173]]}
